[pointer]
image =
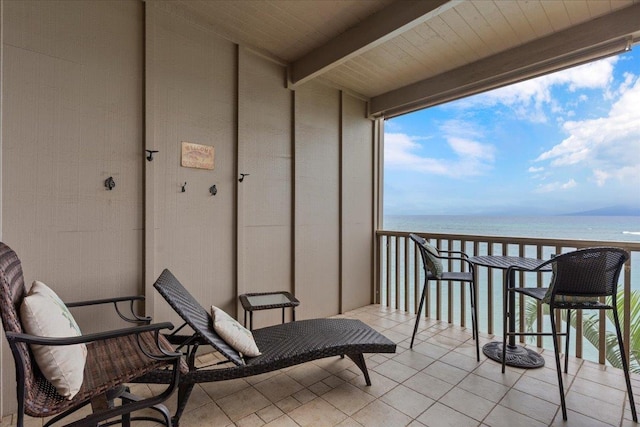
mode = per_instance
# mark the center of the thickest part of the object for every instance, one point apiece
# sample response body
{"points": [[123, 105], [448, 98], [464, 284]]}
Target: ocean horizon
{"points": [[578, 227], [610, 229]]}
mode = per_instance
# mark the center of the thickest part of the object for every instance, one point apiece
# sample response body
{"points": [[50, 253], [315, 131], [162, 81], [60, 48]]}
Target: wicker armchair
{"points": [[113, 359], [431, 256], [580, 280]]}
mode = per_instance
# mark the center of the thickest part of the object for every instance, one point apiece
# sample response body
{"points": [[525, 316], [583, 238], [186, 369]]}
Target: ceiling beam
{"points": [[569, 47], [369, 33]]}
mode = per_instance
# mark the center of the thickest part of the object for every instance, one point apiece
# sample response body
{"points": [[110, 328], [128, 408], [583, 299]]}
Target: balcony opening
{"points": [[536, 168]]}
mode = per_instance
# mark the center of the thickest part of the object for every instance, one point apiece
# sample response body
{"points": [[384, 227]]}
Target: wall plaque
{"points": [[197, 156]]}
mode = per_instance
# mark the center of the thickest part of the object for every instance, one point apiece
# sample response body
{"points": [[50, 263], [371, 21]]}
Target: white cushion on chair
{"points": [[236, 335], [44, 314], [433, 263]]}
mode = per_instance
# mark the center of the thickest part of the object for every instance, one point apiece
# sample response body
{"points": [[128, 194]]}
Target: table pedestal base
{"points": [[517, 356]]}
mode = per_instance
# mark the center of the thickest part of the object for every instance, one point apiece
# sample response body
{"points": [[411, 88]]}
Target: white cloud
{"points": [[400, 151], [392, 125], [467, 148], [468, 157], [528, 98], [461, 129], [556, 186], [594, 75], [600, 177], [608, 146], [535, 170]]}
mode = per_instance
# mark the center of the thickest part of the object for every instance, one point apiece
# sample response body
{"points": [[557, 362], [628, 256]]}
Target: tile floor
{"points": [[438, 383]]}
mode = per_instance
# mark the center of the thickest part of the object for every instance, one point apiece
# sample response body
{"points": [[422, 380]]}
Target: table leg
{"points": [[282, 314], [516, 355], [511, 280], [293, 313], [251, 320]]}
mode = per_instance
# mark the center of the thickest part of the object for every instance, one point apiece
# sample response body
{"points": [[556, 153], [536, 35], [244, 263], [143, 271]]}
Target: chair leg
{"points": [[474, 318], [128, 398], [625, 365], [184, 391], [558, 368], [358, 359], [52, 421], [505, 329], [566, 342], [418, 313]]}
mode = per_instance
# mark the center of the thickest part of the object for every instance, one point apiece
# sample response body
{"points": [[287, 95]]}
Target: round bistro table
{"points": [[516, 355]]}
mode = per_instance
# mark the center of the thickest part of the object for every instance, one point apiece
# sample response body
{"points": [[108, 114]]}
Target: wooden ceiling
{"points": [[400, 55]]}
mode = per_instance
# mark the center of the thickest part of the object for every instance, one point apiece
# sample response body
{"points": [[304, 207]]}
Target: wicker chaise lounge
{"points": [[281, 345]]}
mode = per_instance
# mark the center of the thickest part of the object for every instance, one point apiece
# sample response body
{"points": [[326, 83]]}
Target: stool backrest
{"points": [[588, 272]]}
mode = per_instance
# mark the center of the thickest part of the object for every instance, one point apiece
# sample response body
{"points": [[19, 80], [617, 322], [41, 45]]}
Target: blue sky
{"points": [[562, 143]]}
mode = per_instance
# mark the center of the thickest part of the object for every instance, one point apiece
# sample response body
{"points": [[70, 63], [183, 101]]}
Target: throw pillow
{"points": [[433, 262], [44, 314], [236, 335]]}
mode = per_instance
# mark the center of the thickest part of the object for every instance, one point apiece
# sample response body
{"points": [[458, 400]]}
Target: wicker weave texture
{"points": [[281, 345], [193, 313], [12, 292], [110, 362], [588, 272]]}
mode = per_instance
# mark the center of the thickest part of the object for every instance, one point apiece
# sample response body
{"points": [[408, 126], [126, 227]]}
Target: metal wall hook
{"points": [[242, 175], [151, 153], [183, 187], [109, 183], [213, 190]]}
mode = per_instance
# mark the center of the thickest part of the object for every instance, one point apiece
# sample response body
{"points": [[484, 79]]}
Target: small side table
{"points": [[266, 301]]}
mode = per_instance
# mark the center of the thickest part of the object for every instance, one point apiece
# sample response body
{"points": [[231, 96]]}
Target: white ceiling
{"points": [[396, 53]]}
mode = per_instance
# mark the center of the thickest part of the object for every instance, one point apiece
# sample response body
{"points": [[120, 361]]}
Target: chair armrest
{"points": [[104, 301], [131, 317], [462, 254], [453, 258], [539, 268], [87, 338], [464, 260]]}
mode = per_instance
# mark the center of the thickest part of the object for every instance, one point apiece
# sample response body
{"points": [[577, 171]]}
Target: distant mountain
{"points": [[610, 211]]}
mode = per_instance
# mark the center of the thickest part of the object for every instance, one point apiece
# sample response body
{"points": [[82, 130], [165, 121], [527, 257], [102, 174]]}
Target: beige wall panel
{"points": [[317, 233], [357, 204], [72, 116], [265, 196], [193, 85]]}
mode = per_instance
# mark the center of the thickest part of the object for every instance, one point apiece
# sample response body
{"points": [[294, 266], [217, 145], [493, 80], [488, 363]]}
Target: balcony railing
{"points": [[399, 280]]}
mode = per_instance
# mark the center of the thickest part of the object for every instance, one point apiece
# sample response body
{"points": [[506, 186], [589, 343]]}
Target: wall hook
{"points": [[213, 190], [242, 175], [151, 153], [109, 183], [183, 187]]}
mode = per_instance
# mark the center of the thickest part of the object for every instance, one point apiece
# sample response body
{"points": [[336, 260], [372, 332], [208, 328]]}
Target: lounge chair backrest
{"points": [[198, 318]]}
